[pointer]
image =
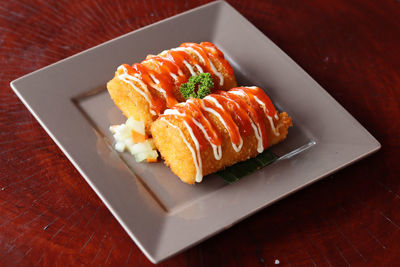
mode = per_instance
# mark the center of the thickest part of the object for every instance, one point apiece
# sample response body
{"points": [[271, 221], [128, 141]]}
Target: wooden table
{"points": [[50, 216]]}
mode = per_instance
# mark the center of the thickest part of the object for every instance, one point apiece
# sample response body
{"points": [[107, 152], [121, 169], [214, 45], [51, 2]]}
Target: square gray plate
{"points": [[160, 213]]}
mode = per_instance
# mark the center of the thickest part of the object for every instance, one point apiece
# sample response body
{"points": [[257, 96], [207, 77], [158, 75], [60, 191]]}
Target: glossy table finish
{"points": [[49, 215]]}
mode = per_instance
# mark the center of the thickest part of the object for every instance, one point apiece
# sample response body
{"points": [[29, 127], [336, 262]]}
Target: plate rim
{"points": [[153, 256]]}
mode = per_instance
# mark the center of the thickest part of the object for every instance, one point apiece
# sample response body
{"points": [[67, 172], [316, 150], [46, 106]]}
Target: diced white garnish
{"points": [[141, 157], [152, 154], [129, 142], [123, 140], [119, 146], [151, 143], [140, 147], [137, 126]]}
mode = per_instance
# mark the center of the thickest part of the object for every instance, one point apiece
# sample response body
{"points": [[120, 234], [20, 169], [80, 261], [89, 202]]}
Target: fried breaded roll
{"points": [[144, 90], [202, 136]]}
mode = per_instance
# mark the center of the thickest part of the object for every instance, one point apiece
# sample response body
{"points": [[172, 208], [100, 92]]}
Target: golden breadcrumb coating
{"points": [[133, 104], [179, 158]]}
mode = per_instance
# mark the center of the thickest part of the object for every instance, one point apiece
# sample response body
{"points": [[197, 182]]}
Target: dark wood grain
{"points": [[50, 216]]}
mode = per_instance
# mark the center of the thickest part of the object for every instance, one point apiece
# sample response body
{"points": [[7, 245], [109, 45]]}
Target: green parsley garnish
{"points": [[198, 86]]}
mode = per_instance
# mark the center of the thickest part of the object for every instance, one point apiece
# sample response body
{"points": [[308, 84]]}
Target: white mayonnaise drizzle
{"points": [[271, 122], [196, 159], [156, 63], [187, 50], [215, 101], [189, 68], [237, 148], [262, 104], [199, 68], [199, 177], [257, 131], [216, 149], [173, 76], [216, 72], [156, 85], [154, 79], [129, 78], [256, 127], [180, 73], [214, 69]]}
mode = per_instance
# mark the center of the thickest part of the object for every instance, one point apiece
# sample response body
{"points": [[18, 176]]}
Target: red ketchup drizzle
{"points": [[188, 118], [237, 113], [204, 55], [261, 95], [193, 110], [233, 129], [255, 110], [166, 82], [179, 56], [165, 66], [156, 103], [239, 110], [171, 62], [203, 119], [216, 53]]}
